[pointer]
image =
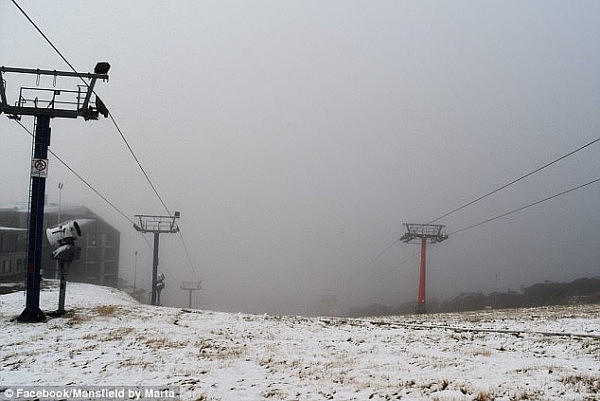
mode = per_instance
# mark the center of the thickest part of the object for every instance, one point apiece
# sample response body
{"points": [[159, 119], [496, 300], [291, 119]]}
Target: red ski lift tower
{"points": [[156, 225], [44, 104], [432, 232]]}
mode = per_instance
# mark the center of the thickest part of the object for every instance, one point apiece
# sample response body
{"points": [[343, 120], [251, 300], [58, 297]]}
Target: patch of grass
{"points": [[444, 384], [163, 343], [129, 363], [589, 383], [483, 396], [106, 310], [273, 393], [75, 317], [214, 350], [204, 397], [520, 396], [482, 352], [119, 332]]}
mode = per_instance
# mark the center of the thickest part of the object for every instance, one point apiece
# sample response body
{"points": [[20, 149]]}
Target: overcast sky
{"points": [[296, 138]]}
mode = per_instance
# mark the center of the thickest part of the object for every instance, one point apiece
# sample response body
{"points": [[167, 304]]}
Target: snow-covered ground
{"points": [[109, 339]]}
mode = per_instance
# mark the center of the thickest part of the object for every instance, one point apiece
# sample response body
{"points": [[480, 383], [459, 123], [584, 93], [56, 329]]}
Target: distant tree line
{"points": [[580, 291]]}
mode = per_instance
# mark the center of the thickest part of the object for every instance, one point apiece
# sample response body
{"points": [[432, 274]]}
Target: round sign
{"points": [[40, 164]]}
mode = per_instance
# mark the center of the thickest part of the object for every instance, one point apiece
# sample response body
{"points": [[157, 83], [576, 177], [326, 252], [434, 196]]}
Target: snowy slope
{"points": [[109, 339]]}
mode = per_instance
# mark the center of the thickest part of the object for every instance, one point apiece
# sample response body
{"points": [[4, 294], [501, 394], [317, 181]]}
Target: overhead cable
{"points": [[516, 180], [120, 133], [83, 180], [384, 250], [187, 254], [524, 207], [110, 114]]}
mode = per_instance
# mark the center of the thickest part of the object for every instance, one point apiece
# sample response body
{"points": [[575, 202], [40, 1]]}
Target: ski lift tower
{"points": [[191, 286], [156, 225], [44, 104], [423, 232]]}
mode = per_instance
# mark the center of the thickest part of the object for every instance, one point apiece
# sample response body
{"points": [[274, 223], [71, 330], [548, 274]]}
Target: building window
{"points": [[6, 266]]}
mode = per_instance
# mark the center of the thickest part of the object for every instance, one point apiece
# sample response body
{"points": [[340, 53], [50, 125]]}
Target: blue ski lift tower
{"points": [[44, 104]]}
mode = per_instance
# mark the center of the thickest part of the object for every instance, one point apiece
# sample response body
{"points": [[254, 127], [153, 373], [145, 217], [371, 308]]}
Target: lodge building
{"points": [[99, 243]]}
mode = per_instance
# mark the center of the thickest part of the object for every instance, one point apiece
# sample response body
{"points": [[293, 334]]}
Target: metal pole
{"points": [[496, 293], [60, 187], [155, 271], [190, 299], [134, 270], [421, 304], [63, 289], [32, 312]]}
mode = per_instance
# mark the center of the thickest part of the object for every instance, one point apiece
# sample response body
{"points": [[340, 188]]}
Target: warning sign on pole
{"points": [[39, 168]]}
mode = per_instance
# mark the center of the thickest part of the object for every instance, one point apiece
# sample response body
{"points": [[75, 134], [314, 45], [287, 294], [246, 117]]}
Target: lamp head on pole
{"points": [[102, 68]]}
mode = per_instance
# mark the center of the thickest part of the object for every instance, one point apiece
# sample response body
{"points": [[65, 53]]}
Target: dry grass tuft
{"points": [[482, 352], [482, 396], [75, 317], [277, 393], [106, 310], [444, 385], [583, 382], [131, 363]]}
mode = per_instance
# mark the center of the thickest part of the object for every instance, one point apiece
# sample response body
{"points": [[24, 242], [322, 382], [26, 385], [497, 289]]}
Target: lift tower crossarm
{"points": [[37, 71], [156, 224], [433, 232], [83, 108]]}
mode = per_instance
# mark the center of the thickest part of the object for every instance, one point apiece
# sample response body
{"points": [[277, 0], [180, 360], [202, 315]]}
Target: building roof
{"points": [[14, 229], [49, 207]]}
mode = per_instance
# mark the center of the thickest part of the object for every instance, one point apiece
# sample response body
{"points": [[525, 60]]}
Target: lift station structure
{"points": [[424, 232]]}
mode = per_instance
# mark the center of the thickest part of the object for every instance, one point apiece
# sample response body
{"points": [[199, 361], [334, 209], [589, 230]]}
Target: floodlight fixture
{"points": [[102, 68]]}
